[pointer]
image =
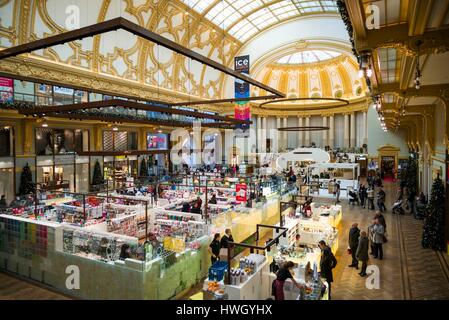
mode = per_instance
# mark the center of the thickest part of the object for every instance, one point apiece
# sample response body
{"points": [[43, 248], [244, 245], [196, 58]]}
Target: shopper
{"points": [[362, 252], [214, 248], [283, 274], [227, 237], [3, 202], [354, 234], [381, 219], [213, 200], [411, 201], [337, 191], [371, 237], [381, 200], [378, 239], [362, 195], [199, 202], [196, 208], [185, 207], [327, 263], [125, 252], [370, 195]]}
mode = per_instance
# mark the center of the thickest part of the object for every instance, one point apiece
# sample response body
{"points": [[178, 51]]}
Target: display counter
{"points": [[327, 214], [44, 251]]}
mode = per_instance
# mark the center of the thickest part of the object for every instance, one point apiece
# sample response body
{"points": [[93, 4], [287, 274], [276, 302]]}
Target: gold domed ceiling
{"points": [[314, 73]]}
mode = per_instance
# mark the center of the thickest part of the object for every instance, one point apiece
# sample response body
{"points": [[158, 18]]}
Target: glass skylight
{"points": [[308, 56], [244, 18]]}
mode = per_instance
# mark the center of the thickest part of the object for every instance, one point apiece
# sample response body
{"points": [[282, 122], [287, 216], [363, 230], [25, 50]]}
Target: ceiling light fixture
{"points": [[114, 129], [45, 124]]}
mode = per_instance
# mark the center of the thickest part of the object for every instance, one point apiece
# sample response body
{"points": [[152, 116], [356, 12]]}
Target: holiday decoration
{"points": [[27, 185], [143, 168], [97, 178], [433, 235]]}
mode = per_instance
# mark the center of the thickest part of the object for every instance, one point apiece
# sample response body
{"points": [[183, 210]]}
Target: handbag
{"points": [[385, 240], [349, 251]]}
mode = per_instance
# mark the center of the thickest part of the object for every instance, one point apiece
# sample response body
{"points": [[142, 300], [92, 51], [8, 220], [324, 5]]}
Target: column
{"points": [[278, 134], [346, 131], [324, 131], [258, 135], [300, 133], [307, 142], [352, 133], [365, 128], [285, 135], [331, 131], [264, 134]]}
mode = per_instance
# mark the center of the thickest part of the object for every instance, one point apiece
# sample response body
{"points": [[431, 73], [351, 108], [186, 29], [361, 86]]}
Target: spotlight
{"points": [[360, 73], [159, 131], [45, 124], [114, 129]]}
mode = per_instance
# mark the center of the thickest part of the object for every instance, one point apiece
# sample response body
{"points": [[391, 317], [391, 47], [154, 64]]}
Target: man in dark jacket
{"points": [[362, 252], [354, 234], [327, 263]]}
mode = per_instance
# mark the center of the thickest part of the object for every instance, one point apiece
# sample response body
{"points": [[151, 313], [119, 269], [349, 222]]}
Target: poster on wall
{"points": [[156, 141], [6, 90], [57, 141], [241, 192], [241, 90]]}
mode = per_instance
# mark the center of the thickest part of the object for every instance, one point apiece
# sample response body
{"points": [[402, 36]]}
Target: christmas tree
{"points": [[97, 178], [143, 168], [27, 185], [433, 235]]}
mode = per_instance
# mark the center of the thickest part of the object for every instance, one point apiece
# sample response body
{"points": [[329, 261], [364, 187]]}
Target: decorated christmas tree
{"points": [[433, 235], [143, 168], [27, 185], [97, 178]]}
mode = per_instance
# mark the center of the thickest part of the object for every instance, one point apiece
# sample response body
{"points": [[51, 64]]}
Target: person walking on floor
{"points": [[337, 191], [381, 200], [378, 239], [354, 234], [370, 195], [362, 195], [362, 252], [327, 263]]}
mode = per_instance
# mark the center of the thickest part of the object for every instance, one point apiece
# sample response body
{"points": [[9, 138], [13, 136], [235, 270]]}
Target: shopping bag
{"points": [[349, 251]]}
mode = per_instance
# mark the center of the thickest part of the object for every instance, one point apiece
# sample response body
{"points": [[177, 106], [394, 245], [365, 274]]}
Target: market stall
{"points": [[323, 175]]}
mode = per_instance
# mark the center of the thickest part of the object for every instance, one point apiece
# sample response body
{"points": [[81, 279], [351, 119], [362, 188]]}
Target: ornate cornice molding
{"points": [[39, 70]]}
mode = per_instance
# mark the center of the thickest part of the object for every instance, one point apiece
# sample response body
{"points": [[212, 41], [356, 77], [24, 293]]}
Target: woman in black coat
{"points": [[327, 263]]}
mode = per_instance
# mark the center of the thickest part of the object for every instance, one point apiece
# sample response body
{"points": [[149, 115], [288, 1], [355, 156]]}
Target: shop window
{"points": [[119, 140], [80, 96], [82, 177], [5, 142], [54, 141], [23, 91], [63, 95], [7, 184], [44, 94], [95, 96]]}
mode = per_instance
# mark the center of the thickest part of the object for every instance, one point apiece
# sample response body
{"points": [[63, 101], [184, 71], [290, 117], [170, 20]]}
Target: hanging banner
{"points": [[241, 192], [6, 90], [241, 90]]}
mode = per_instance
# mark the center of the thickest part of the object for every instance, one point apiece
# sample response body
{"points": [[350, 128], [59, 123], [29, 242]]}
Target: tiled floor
{"points": [[407, 272]]}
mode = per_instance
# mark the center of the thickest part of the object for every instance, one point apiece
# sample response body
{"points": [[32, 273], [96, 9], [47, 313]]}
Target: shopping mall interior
{"points": [[224, 149]]}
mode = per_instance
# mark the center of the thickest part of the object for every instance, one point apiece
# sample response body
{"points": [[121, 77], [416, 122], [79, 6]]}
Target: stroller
{"points": [[397, 207], [353, 197]]}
